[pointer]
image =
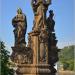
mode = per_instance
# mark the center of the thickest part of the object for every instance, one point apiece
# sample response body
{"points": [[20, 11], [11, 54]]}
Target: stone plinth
{"points": [[31, 69], [22, 55]]}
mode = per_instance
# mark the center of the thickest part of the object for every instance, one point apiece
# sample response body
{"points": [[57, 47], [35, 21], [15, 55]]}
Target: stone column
{"points": [[35, 45]]}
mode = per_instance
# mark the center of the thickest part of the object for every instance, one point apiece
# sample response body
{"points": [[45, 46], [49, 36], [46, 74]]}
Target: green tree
{"points": [[4, 54], [66, 57]]}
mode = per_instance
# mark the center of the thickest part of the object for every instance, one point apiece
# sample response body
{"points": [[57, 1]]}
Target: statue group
{"points": [[41, 53]]}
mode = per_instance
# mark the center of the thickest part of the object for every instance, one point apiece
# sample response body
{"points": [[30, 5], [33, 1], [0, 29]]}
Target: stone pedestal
{"points": [[32, 69], [28, 58], [22, 55]]}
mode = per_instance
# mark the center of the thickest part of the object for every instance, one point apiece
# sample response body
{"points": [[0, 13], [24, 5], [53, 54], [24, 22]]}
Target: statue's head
{"points": [[51, 13], [19, 11]]}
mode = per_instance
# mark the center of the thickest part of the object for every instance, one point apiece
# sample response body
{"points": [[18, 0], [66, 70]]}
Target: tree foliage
{"points": [[4, 54], [66, 57]]}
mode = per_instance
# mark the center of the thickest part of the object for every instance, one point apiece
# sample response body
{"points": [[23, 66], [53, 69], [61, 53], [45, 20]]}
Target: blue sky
{"points": [[63, 10]]}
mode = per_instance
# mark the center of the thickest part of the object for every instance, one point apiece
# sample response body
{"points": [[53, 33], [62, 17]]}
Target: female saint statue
{"points": [[19, 22]]}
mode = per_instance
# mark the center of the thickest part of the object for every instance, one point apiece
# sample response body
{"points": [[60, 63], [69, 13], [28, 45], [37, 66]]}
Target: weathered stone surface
{"points": [[22, 55], [40, 7], [20, 24], [41, 53], [33, 69]]}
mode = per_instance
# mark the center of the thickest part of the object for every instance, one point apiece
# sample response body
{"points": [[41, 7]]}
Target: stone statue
{"points": [[40, 8], [50, 21], [19, 22], [41, 53]]}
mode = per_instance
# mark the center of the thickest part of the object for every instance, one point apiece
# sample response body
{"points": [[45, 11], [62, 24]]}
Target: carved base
{"points": [[21, 55], [31, 69]]}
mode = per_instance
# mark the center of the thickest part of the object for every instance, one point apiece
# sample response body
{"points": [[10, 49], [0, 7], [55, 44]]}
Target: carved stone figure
{"points": [[40, 8], [50, 21], [19, 22], [52, 42], [43, 41]]}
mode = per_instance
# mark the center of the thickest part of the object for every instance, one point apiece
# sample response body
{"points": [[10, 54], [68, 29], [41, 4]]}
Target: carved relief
{"points": [[22, 56], [43, 38]]}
